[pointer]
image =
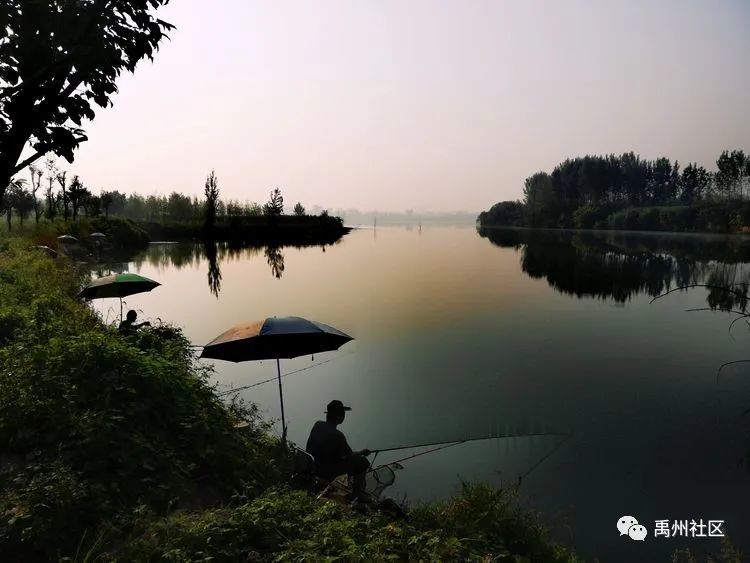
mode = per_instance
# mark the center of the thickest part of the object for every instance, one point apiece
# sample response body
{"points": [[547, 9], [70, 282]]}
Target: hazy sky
{"points": [[431, 105]]}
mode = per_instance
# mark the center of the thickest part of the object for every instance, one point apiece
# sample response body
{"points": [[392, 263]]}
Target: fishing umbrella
{"points": [[117, 285], [272, 339], [98, 238], [46, 249], [67, 238]]}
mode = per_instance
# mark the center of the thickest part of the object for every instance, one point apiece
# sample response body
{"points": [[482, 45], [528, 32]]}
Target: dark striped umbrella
{"points": [[117, 285], [275, 338]]}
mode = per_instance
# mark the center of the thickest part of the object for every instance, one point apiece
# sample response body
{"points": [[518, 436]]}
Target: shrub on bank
{"points": [[718, 217], [677, 218], [586, 216], [505, 213], [481, 523]]}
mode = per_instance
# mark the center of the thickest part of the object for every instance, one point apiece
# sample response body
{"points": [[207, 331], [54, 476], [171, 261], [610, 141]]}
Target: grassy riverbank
{"points": [[123, 237], [118, 447]]}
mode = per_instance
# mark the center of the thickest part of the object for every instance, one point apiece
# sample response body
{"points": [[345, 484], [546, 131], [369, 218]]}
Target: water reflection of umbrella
{"points": [[117, 285], [275, 338], [67, 238]]}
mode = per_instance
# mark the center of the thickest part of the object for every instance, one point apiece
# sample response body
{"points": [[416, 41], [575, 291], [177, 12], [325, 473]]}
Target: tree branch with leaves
{"points": [[59, 59]]}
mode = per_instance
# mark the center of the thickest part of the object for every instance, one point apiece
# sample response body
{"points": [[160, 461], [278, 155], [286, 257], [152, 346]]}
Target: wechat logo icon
{"points": [[629, 526]]}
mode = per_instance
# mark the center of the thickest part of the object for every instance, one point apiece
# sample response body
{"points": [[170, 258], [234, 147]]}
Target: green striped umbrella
{"points": [[117, 285]]}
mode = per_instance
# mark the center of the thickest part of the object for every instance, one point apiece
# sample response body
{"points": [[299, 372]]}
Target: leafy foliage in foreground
{"points": [[60, 59], [292, 525], [93, 422], [117, 448]]}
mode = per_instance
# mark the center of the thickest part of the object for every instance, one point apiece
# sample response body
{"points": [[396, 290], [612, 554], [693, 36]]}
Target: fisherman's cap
{"points": [[336, 407]]}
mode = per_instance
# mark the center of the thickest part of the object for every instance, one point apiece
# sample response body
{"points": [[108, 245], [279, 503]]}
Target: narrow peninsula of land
{"points": [[115, 226]]}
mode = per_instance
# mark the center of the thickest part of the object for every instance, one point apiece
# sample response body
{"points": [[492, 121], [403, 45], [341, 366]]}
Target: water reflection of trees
{"points": [[162, 256], [214, 271], [617, 266], [108, 269], [275, 260]]}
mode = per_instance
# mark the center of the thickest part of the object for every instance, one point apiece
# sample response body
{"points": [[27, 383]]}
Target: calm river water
{"points": [[460, 335]]}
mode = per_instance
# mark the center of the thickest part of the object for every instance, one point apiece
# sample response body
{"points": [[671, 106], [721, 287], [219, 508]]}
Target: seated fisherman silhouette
{"points": [[333, 456], [129, 324]]}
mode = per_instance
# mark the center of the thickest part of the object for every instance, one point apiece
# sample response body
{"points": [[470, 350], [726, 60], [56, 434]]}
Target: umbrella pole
{"points": [[281, 399]]}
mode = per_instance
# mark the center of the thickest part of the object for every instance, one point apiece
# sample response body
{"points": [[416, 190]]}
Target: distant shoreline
{"points": [[737, 234], [708, 217]]}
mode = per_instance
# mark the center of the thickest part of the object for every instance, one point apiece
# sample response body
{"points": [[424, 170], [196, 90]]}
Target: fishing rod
{"points": [[545, 458], [449, 444], [270, 379], [464, 440], [446, 445]]}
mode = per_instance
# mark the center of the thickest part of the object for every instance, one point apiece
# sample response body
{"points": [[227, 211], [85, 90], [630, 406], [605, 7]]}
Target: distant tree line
{"points": [[593, 191], [49, 193]]}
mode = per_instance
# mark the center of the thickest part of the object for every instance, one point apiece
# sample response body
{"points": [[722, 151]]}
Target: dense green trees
{"points": [[733, 171], [586, 191], [542, 205], [174, 207], [694, 183], [54, 194], [510, 213]]}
